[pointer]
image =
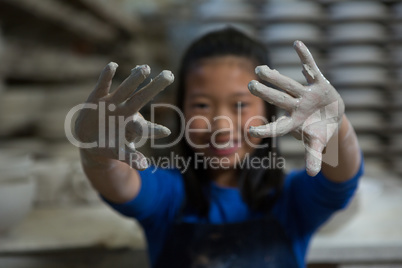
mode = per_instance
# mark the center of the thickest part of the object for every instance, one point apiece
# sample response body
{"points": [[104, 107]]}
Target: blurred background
{"points": [[52, 51]]}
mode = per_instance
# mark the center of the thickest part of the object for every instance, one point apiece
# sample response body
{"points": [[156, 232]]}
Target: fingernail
{"points": [[112, 65], [143, 164], [136, 117], [168, 75], [252, 86], [254, 132], [261, 68], [166, 131], [297, 43], [144, 69], [312, 172]]}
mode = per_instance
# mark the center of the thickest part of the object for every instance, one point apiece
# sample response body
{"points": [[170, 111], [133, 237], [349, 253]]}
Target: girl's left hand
{"points": [[315, 110]]}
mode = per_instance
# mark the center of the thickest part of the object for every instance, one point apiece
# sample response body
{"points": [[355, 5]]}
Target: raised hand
{"points": [[110, 128], [314, 110]]}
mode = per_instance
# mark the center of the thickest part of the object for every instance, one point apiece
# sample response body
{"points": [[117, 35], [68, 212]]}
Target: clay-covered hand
{"points": [[108, 127], [314, 110]]}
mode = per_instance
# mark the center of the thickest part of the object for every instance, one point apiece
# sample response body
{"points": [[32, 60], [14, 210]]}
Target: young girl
{"points": [[226, 209]]}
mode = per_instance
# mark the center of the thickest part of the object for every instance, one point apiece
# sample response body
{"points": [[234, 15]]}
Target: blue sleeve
{"points": [[315, 199], [307, 202], [160, 196]]}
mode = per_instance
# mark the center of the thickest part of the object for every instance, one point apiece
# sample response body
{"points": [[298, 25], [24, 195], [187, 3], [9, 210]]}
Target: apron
{"points": [[260, 243]]}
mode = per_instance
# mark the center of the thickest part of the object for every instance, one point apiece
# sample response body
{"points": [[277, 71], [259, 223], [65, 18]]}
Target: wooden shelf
{"points": [[66, 17], [263, 20], [107, 11], [39, 63]]}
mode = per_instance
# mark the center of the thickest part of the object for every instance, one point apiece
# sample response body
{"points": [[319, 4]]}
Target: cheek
{"points": [[254, 121], [253, 141], [199, 123], [254, 117]]}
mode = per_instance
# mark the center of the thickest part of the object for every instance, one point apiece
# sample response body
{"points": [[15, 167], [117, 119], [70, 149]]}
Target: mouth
{"points": [[224, 148]]}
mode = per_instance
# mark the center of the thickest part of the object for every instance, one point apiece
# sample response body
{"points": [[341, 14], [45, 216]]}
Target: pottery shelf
{"points": [[63, 15], [108, 11], [40, 63], [52, 53], [259, 20]]}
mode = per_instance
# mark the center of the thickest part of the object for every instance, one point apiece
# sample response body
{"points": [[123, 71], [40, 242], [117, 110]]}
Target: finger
{"points": [[104, 82], [314, 157], [136, 160], [274, 77], [310, 79], [130, 84], [280, 127], [151, 130], [144, 128], [310, 69], [144, 95], [131, 132], [272, 96]]}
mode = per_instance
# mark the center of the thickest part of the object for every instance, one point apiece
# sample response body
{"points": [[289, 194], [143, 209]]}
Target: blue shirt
{"points": [[305, 204]]}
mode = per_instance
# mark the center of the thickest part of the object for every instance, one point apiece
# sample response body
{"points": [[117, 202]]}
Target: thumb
{"points": [[314, 157], [135, 159]]}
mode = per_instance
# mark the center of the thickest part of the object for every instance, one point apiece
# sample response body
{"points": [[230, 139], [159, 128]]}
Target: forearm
{"points": [[113, 179], [342, 157]]}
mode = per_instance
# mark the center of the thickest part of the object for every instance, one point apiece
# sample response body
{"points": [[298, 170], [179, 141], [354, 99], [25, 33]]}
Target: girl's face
{"points": [[219, 109]]}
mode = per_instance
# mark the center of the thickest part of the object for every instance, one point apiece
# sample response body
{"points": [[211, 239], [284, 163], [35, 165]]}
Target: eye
{"points": [[200, 105]]}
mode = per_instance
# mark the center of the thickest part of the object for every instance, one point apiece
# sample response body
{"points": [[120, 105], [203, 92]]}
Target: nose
{"points": [[224, 121]]}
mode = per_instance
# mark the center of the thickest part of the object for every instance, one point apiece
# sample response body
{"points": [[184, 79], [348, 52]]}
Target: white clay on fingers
{"points": [[304, 53], [145, 128], [145, 94], [313, 164], [145, 69], [130, 84], [132, 157], [113, 65], [104, 82], [110, 67], [308, 73], [136, 160], [272, 96], [283, 82], [319, 107], [280, 127], [314, 157], [157, 131], [310, 68], [131, 145]]}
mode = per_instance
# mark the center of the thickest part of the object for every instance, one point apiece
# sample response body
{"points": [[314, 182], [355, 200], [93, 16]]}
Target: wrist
{"points": [[89, 159], [345, 129]]}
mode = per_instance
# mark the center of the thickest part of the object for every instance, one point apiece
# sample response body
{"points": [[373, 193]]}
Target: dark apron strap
{"points": [[256, 243]]}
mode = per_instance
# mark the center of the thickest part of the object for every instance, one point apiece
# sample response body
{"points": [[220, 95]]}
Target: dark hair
{"points": [[259, 187]]}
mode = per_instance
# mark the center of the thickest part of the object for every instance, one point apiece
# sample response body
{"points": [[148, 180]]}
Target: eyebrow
{"points": [[242, 94], [194, 95], [201, 94]]}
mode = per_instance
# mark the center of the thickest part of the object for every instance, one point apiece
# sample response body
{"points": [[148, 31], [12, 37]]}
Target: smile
{"points": [[225, 148]]}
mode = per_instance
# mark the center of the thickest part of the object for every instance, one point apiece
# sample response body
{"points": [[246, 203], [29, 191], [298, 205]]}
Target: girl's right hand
{"points": [[111, 123]]}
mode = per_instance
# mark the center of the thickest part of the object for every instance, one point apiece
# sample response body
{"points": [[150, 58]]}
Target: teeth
{"points": [[224, 145]]}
